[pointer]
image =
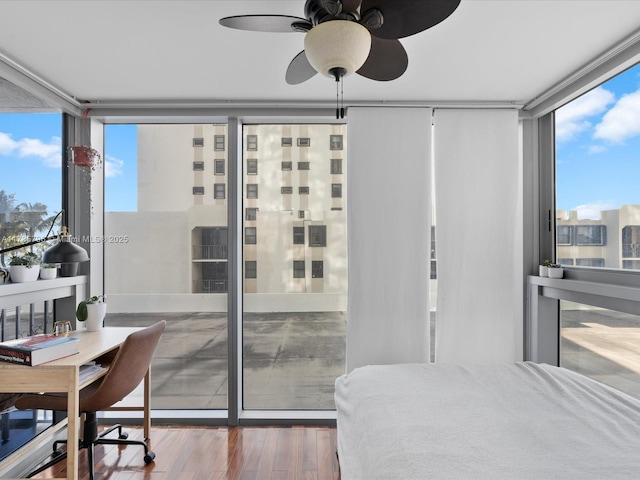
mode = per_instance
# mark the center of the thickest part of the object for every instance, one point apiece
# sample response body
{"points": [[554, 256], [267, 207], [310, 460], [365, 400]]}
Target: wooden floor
{"points": [[218, 453]]}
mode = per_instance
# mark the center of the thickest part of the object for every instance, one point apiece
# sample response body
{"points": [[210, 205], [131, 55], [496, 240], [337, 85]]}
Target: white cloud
{"points": [[593, 149], [112, 166], [591, 211], [49, 153], [622, 121], [572, 118]]}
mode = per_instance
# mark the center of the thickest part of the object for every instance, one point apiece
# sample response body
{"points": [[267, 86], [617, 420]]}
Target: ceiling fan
{"points": [[346, 36]]}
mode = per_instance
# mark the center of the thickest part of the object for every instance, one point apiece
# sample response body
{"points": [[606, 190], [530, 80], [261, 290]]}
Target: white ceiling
{"points": [[142, 50]]}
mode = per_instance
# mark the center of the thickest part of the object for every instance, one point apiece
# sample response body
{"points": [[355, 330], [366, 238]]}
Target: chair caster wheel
{"points": [[148, 458], [123, 436]]}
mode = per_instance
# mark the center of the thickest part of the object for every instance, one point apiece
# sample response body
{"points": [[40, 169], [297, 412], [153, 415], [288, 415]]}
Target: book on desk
{"points": [[37, 349]]}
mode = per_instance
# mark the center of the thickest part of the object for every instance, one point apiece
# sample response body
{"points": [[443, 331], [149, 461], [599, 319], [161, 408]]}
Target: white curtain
{"points": [[388, 225], [478, 240]]}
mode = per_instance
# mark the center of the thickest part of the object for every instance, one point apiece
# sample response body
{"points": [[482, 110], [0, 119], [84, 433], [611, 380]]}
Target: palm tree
{"points": [[10, 225], [34, 219]]}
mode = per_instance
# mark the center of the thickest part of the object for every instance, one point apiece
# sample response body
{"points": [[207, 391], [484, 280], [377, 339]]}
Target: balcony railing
{"points": [[210, 286], [631, 250], [209, 252]]}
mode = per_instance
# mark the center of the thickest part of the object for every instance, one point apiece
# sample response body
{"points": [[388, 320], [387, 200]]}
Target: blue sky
{"points": [[30, 161], [597, 153], [598, 148]]}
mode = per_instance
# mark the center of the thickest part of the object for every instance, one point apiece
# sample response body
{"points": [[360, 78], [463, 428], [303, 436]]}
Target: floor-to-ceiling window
{"points": [[166, 205], [30, 204], [597, 224], [294, 264]]}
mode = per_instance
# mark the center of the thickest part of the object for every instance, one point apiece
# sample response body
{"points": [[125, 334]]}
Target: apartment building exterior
{"points": [[612, 241], [293, 229]]}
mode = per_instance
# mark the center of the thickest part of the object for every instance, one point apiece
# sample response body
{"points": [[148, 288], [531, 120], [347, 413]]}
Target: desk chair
{"points": [[128, 368]]}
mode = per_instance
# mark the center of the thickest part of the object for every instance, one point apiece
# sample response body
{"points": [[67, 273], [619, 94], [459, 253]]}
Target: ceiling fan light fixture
{"points": [[337, 44]]}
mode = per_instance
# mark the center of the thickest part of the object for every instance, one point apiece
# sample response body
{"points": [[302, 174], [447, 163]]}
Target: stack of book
{"points": [[38, 349]]}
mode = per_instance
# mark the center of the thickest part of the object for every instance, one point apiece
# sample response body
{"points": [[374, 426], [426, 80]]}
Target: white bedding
{"points": [[517, 421]]}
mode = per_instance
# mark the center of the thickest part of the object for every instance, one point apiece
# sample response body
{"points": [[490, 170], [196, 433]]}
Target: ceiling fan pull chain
{"points": [[337, 98], [341, 97]]}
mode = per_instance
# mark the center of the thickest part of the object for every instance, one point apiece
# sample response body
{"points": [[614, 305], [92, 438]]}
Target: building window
{"points": [[286, 190], [566, 261], [286, 165], [252, 142], [335, 142], [286, 141], [303, 190], [300, 213], [214, 277], [317, 235], [590, 262], [252, 190], [250, 235], [591, 234], [218, 167], [631, 241], [219, 191], [298, 269], [198, 190], [250, 214], [304, 142], [336, 166], [336, 190], [250, 269], [218, 143], [252, 166], [317, 269], [304, 166], [198, 142], [198, 166], [564, 234], [298, 235]]}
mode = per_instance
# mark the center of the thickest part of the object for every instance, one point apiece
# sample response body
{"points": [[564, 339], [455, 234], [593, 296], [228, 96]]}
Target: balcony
{"points": [[209, 252]]}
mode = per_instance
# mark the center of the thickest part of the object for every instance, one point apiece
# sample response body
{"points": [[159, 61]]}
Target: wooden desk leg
{"points": [[147, 404], [73, 403]]}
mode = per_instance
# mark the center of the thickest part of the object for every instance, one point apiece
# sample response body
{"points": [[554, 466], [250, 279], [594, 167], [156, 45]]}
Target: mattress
{"points": [[512, 421]]}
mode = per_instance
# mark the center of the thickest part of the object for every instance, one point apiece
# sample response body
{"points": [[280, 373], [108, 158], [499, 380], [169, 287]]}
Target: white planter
{"points": [[543, 271], [557, 272], [48, 273], [95, 316], [21, 273]]}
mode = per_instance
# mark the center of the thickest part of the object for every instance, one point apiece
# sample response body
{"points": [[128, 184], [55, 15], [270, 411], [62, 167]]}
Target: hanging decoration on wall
{"points": [[84, 156]]}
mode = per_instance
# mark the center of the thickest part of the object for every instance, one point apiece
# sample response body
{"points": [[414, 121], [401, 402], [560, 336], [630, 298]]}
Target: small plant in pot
{"points": [[24, 268], [544, 269], [92, 311], [555, 271], [48, 271]]}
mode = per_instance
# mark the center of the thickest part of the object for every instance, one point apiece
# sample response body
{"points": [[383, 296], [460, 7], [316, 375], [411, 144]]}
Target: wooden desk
{"points": [[62, 376]]}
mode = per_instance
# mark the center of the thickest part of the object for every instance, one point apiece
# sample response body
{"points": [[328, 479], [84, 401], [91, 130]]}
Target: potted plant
{"points": [[543, 270], [4, 275], [93, 311], [48, 271], [84, 156], [555, 271], [24, 268]]}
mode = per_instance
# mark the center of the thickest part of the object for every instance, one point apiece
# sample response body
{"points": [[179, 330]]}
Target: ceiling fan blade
{"points": [[387, 60], [407, 17], [267, 23], [350, 6], [299, 70]]}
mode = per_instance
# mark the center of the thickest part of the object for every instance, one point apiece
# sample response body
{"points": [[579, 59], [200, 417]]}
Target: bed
{"points": [[511, 421]]}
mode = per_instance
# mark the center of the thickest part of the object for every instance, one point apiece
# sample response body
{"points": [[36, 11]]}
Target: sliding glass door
{"points": [[166, 252], [295, 264]]}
